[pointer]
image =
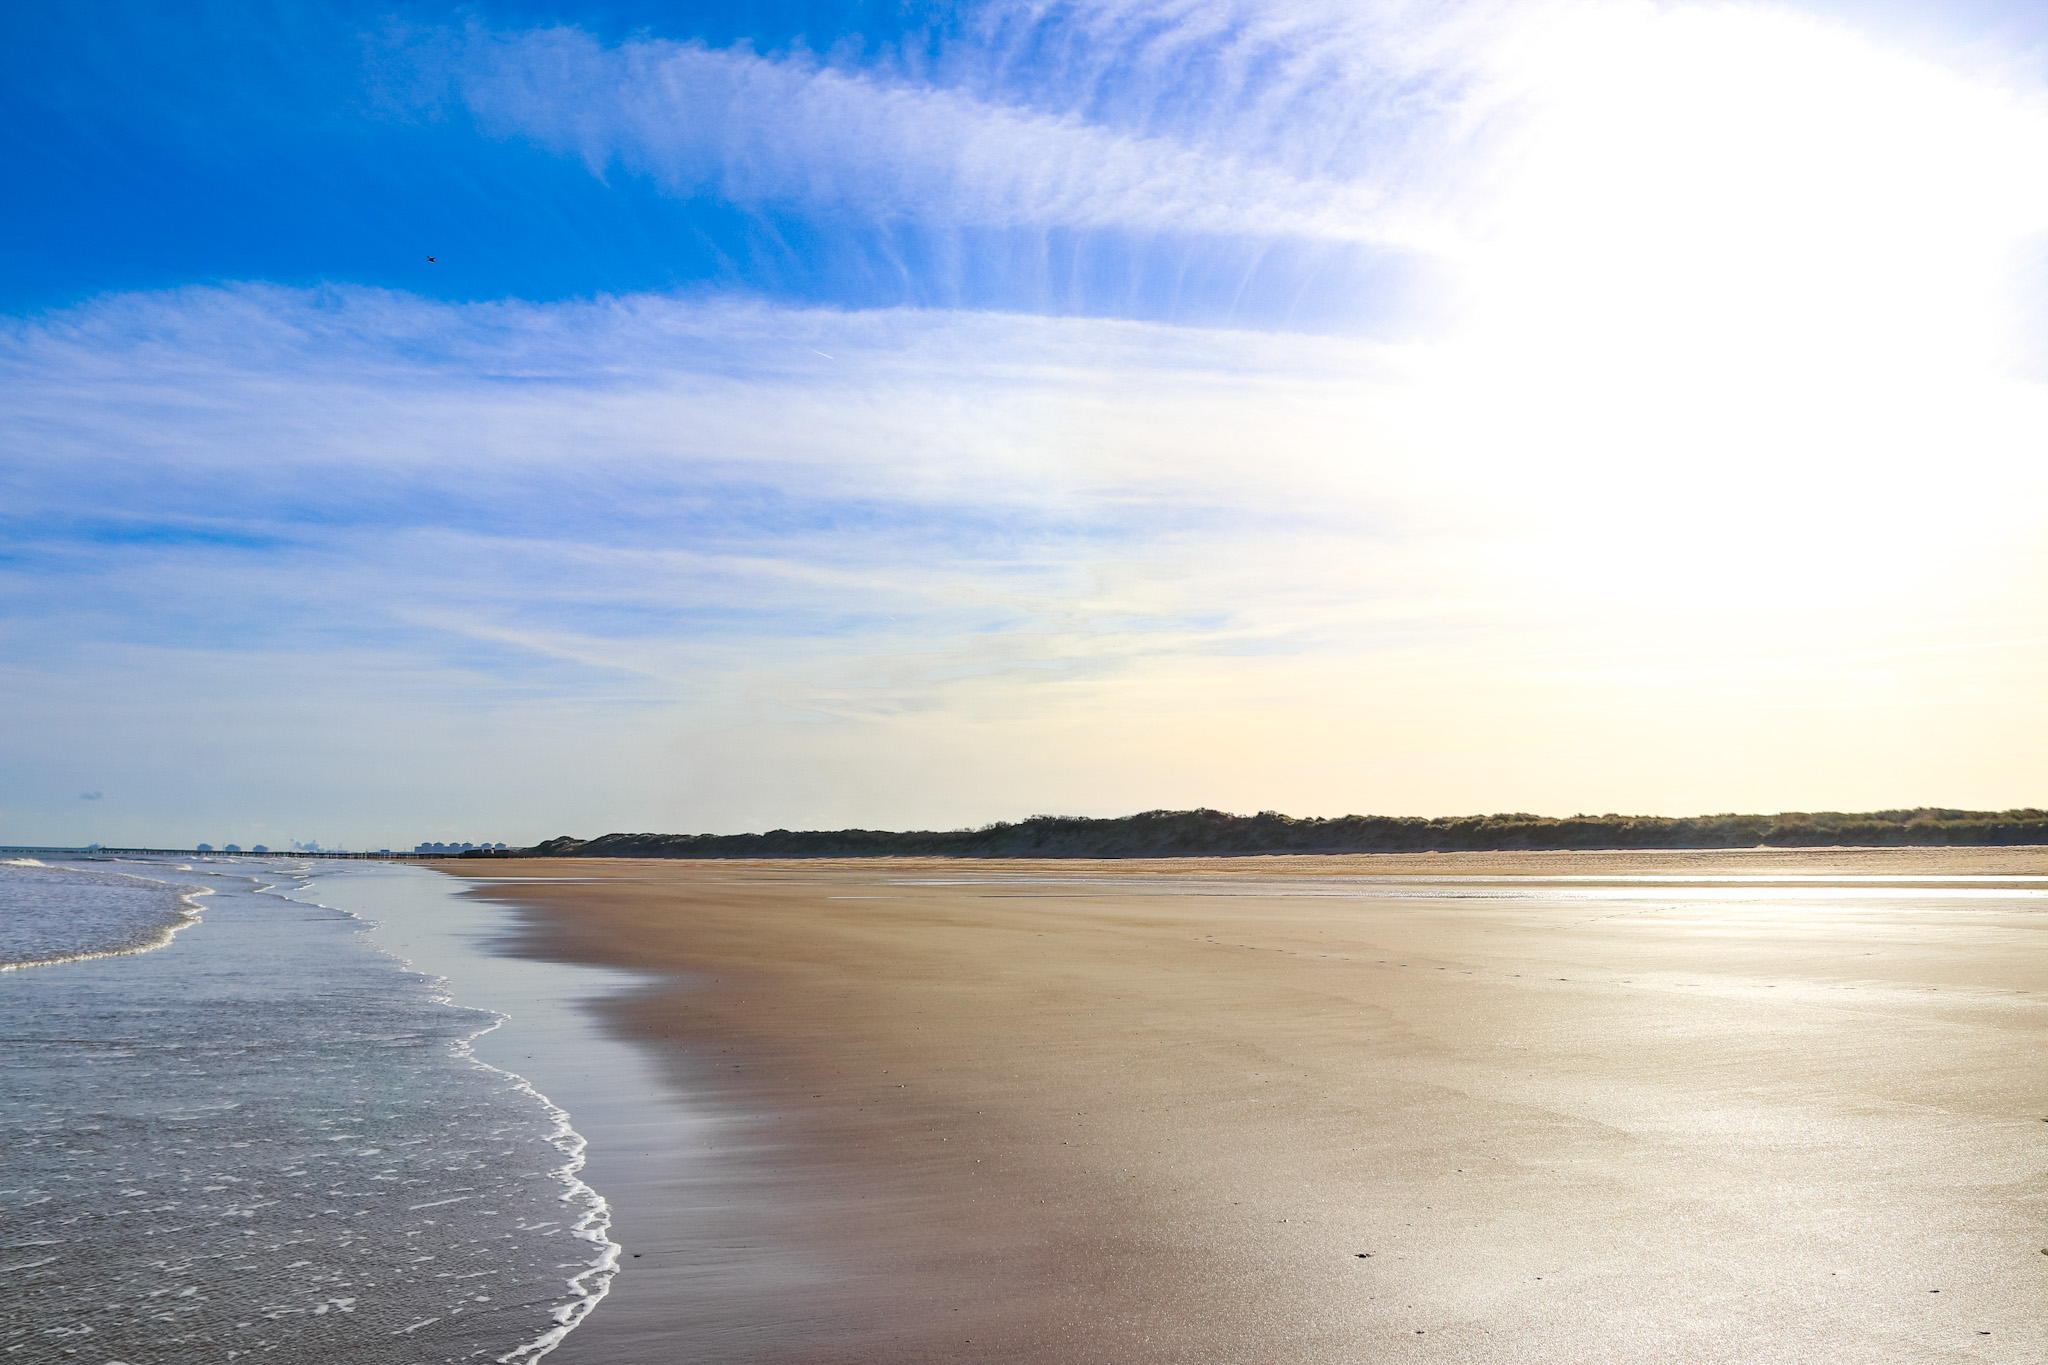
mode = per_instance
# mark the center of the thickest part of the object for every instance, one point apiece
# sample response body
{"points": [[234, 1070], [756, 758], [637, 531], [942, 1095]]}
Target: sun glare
{"points": [[1739, 288]]}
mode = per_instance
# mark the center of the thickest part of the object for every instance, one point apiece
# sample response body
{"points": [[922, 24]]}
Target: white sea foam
{"points": [[593, 1221], [354, 1184], [593, 1225], [51, 915]]}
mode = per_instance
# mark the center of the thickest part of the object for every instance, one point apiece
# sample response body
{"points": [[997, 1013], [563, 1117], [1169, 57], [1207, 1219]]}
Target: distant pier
{"points": [[93, 852]]}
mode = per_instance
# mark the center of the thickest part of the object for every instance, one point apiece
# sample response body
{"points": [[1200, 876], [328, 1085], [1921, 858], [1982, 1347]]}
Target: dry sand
{"points": [[1259, 1110]]}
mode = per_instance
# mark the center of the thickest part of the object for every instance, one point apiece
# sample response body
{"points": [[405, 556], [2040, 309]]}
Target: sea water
{"points": [[55, 914], [235, 1128]]}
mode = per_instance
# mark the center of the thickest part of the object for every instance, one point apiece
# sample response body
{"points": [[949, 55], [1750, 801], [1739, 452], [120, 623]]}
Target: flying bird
{"points": [[430, 258]]}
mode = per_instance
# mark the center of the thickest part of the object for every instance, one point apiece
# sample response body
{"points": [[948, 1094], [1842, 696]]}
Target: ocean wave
{"points": [[592, 1223], [330, 1170], [52, 915]]}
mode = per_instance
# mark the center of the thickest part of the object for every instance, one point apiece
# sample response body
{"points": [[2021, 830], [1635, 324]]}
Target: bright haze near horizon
{"points": [[497, 422]]}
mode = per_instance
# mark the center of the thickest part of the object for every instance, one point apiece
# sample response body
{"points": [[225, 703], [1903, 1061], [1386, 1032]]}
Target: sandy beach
{"points": [[1729, 1106]]}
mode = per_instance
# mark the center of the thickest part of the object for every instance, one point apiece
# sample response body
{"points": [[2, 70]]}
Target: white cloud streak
{"points": [[1560, 155], [975, 565], [754, 130]]}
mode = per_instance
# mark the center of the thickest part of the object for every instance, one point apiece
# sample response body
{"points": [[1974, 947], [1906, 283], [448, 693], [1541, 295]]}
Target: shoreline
{"points": [[541, 1040], [332, 1169], [1093, 1112]]}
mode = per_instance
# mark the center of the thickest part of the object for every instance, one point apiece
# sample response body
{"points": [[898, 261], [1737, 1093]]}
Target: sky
{"points": [[489, 423]]}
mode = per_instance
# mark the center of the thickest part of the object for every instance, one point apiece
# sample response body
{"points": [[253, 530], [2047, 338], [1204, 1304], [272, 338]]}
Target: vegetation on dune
{"points": [[1187, 833]]}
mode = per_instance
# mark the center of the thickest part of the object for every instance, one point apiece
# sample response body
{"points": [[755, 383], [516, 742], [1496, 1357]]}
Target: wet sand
{"points": [[1272, 1110]]}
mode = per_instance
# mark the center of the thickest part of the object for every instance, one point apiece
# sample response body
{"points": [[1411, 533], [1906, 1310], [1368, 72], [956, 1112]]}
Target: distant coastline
{"points": [[1197, 833]]}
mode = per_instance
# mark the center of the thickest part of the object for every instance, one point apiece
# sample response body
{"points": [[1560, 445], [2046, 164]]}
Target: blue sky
{"points": [[350, 144], [889, 415]]}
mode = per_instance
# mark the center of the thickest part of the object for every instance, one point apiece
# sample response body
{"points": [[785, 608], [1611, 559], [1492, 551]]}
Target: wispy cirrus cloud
{"points": [[643, 467], [754, 129], [644, 517], [706, 564], [1417, 163]]}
